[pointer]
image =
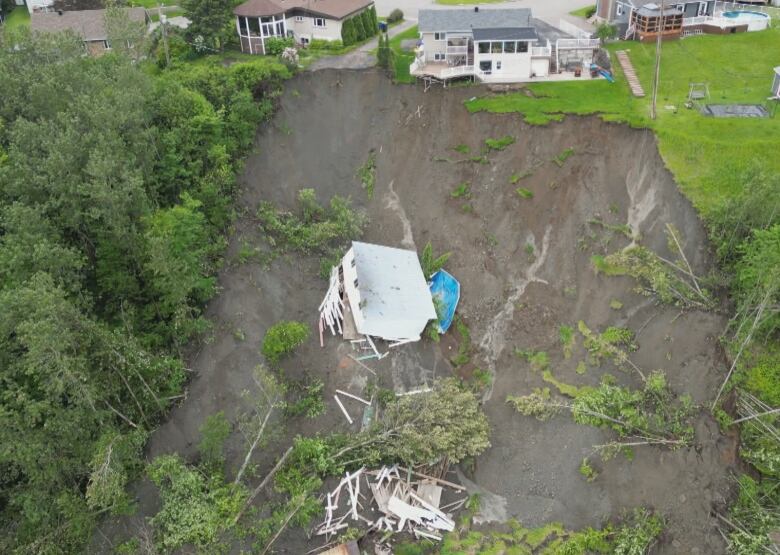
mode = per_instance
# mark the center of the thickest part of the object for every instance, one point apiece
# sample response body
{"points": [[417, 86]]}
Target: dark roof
{"points": [[431, 20], [505, 33], [90, 24], [334, 9]]}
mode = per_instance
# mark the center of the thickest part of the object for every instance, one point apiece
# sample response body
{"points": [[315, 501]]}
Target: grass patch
{"points": [[560, 160], [738, 69], [563, 388], [625, 229], [568, 339], [524, 193], [499, 144], [402, 60], [19, 17], [539, 360], [463, 149], [461, 191], [615, 304], [464, 348], [585, 12], [515, 177], [367, 173]]}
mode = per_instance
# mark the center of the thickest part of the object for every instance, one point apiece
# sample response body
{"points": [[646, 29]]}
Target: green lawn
{"points": [[151, 3], [707, 156], [403, 59], [18, 17], [584, 12]]}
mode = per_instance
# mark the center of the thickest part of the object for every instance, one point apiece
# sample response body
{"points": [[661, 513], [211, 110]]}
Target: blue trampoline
{"points": [[446, 292]]}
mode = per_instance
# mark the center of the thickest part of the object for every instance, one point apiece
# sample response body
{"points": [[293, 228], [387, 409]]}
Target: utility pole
{"points": [[163, 21], [657, 75]]}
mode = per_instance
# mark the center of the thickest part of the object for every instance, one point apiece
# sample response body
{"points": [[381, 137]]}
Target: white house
{"points": [[381, 291], [36, 6], [304, 20], [492, 45]]}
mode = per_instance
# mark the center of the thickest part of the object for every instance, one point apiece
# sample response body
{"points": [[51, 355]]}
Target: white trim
{"points": [[314, 22]]}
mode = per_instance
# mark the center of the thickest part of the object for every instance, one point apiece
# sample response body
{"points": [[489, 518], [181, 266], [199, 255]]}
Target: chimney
{"points": [[476, 8]]}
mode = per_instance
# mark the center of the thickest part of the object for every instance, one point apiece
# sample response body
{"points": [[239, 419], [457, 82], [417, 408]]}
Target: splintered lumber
{"points": [[331, 307], [420, 515], [437, 480], [428, 535], [431, 493], [361, 364], [355, 397], [341, 406]]}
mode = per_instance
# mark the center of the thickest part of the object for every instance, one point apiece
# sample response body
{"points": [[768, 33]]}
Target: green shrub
{"points": [[322, 44], [395, 16], [213, 434], [276, 45], [524, 193], [499, 144], [281, 339]]}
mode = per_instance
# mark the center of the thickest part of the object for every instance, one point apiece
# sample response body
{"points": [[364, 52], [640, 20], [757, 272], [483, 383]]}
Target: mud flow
{"points": [[523, 261]]}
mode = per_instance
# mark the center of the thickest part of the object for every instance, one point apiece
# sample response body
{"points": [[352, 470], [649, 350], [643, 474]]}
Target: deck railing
{"points": [[457, 71], [570, 44]]}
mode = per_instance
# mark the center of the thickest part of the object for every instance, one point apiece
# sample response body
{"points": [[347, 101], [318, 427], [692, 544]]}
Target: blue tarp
{"points": [[446, 290]]}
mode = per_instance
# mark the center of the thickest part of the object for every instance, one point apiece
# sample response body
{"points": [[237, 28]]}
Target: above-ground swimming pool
{"points": [[756, 21]]}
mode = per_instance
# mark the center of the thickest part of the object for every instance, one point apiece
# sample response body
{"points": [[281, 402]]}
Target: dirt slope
{"points": [[513, 296]]}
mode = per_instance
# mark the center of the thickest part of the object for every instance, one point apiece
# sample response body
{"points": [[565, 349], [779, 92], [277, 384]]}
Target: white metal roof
{"points": [[395, 301]]}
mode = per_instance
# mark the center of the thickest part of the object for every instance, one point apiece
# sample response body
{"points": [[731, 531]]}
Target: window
{"points": [[280, 28], [522, 46], [498, 64], [486, 67], [619, 10], [356, 282], [352, 262], [509, 47], [484, 47], [702, 9], [680, 8], [299, 18], [252, 25], [305, 41], [439, 56], [319, 22], [496, 47], [439, 36], [106, 45]]}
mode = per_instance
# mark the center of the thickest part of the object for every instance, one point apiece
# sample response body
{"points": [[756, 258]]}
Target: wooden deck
{"points": [[630, 73]]}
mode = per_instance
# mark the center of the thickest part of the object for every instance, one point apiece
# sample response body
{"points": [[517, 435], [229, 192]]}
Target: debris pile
{"points": [[397, 503]]}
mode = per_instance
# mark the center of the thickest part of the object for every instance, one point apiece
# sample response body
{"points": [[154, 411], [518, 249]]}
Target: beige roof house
{"points": [[303, 20], [90, 24]]}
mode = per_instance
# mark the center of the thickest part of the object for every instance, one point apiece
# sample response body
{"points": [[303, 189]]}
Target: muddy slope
{"points": [[524, 266]]}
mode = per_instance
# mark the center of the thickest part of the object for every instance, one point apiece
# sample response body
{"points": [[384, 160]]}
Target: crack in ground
{"points": [[393, 202], [493, 342]]}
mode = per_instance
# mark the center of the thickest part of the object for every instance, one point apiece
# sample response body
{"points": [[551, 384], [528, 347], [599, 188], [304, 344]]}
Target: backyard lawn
{"points": [[469, 2], [737, 68], [18, 17], [403, 59]]}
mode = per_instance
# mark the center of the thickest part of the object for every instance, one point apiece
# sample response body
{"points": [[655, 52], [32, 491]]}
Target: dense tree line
{"points": [[359, 27], [116, 189]]}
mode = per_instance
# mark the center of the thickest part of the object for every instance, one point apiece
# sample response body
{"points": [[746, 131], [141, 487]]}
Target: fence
{"points": [[573, 30], [771, 11]]}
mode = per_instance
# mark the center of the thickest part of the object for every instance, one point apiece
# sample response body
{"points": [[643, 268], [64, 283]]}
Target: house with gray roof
{"points": [[90, 25], [502, 45]]}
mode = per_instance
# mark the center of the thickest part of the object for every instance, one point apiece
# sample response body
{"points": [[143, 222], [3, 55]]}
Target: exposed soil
{"points": [[513, 295]]}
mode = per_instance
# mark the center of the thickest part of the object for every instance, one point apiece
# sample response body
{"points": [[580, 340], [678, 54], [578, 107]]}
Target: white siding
{"points": [[39, 5], [540, 67], [433, 46], [514, 66], [306, 28]]}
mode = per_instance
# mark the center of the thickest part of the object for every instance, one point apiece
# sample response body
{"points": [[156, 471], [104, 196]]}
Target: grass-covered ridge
{"points": [[738, 68]]}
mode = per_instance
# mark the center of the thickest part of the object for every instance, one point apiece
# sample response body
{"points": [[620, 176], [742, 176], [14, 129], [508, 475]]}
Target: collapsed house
{"points": [[378, 292]]}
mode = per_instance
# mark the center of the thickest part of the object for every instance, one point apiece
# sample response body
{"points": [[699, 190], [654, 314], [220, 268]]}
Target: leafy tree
{"points": [[117, 457], [213, 434], [368, 23], [374, 20], [282, 338], [125, 36], [348, 36], [360, 31], [758, 275], [605, 32], [196, 508], [276, 45], [177, 268], [211, 21], [395, 16]]}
